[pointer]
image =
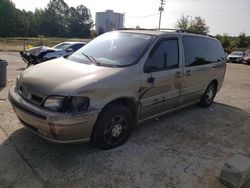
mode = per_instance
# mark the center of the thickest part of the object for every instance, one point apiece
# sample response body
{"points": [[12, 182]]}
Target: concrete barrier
{"points": [[236, 171]]}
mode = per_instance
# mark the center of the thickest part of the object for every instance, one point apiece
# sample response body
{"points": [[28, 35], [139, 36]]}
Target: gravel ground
{"points": [[184, 150]]}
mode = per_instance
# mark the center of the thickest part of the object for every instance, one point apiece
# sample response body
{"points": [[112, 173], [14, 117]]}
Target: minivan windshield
{"points": [[113, 49]]}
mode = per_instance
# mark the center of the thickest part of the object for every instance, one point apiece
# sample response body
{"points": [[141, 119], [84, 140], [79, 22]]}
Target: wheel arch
{"points": [[215, 81], [128, 102]]}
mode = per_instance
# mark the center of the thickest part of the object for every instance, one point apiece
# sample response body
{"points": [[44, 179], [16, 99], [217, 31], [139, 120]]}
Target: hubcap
{"points": [[116, 130], [210, 93]]}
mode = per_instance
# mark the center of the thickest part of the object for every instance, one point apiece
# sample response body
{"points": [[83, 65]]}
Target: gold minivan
{"points": [[116, 81]]}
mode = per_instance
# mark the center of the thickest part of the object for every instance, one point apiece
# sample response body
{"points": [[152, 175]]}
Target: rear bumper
{"points": [[53, 126]]}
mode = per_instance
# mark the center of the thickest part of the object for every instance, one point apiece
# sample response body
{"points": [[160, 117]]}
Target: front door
{"points": [[161, 84]]}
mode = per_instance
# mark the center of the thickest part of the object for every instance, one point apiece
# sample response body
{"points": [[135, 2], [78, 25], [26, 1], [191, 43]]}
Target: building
{"points": [[108, 21]]}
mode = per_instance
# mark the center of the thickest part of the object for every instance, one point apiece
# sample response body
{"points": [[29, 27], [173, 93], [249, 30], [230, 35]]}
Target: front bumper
{"points": [[236, 60], [54, 126], [30, 59]]}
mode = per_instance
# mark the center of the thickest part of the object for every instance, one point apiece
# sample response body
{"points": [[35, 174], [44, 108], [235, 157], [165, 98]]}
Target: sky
{"points": [[222, 16]]}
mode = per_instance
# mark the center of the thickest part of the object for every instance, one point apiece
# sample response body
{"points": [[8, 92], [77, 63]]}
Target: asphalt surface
{"points": [[186, 149]]}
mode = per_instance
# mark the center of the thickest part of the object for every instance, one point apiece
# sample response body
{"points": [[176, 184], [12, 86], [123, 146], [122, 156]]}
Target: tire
{"points": [[113, 127], [207, 98]]}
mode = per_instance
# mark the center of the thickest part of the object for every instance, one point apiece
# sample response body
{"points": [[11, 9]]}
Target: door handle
{"points": [[188, 72], [178, 74]]}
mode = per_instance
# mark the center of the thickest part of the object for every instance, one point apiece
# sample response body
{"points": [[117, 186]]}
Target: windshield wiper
{"points": [[91, 59]]}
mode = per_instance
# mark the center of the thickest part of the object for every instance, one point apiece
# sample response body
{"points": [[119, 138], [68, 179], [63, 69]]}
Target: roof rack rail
{"points": [[135, 29], [149, 29], [169, 29], [166, 29], [194, 32]]}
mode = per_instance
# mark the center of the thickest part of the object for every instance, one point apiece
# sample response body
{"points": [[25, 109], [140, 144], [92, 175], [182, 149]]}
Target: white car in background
{"points": [[40, 54], [235, 57]]}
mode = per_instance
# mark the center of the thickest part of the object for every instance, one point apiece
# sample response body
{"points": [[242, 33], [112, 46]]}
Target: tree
{"points": [[56, 20], [36, 22], [7, 18], [226, 41], [80, 22], [183, 22], [242, 40], [137, 27], [196, 24]]}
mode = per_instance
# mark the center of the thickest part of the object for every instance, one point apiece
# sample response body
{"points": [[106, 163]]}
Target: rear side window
{"points": [[201, 51], [165, 56]]}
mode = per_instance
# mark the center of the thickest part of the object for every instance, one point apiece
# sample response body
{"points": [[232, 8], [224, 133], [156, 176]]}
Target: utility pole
{"points": [[161, 9]]}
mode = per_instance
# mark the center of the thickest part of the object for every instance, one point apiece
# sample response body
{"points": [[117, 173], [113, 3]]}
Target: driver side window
{"points": [[165, 56]]}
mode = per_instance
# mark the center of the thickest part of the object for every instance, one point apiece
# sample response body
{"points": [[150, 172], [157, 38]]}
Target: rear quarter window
{"points": [[201, 51]]}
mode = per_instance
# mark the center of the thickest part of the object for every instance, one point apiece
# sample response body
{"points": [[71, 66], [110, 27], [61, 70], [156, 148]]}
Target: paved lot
{"points": [[184, 150]]}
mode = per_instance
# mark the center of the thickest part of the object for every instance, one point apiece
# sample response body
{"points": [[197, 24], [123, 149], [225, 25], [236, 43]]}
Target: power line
{"points": [[146, 16], [218, 10]]}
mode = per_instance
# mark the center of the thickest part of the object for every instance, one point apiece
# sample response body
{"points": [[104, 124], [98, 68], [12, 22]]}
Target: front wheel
{"points": [[208, 96], [113, 127]]}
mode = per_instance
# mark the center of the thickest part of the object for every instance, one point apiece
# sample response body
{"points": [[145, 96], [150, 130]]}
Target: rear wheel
{"points": [[208, 96], [113, 127]]}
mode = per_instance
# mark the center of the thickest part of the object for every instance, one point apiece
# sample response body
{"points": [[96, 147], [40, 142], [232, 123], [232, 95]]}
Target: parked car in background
{"points": [[247, 52], [246, 58], [40, 54], [235, 57], [116, 81]]}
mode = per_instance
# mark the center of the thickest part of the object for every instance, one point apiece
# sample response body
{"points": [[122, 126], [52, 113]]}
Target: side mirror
{"points": [[147, 67], [70, 50], [150, 68]]}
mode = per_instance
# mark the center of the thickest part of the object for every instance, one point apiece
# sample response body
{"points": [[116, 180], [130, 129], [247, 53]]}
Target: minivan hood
{"points": [[62, 76]]}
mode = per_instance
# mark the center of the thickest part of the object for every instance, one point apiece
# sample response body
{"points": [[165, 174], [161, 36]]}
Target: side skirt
{"points": [[167, 112]]}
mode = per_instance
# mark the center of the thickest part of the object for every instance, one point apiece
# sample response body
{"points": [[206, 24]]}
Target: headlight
{"points": [[67, 104], [54, 103], [79, 104]]}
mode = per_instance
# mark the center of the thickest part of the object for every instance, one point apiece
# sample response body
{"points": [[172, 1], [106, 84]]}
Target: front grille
{"points": [[37, 98], [234, 58], [27, 110], [23, 92], [29, 96]]}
